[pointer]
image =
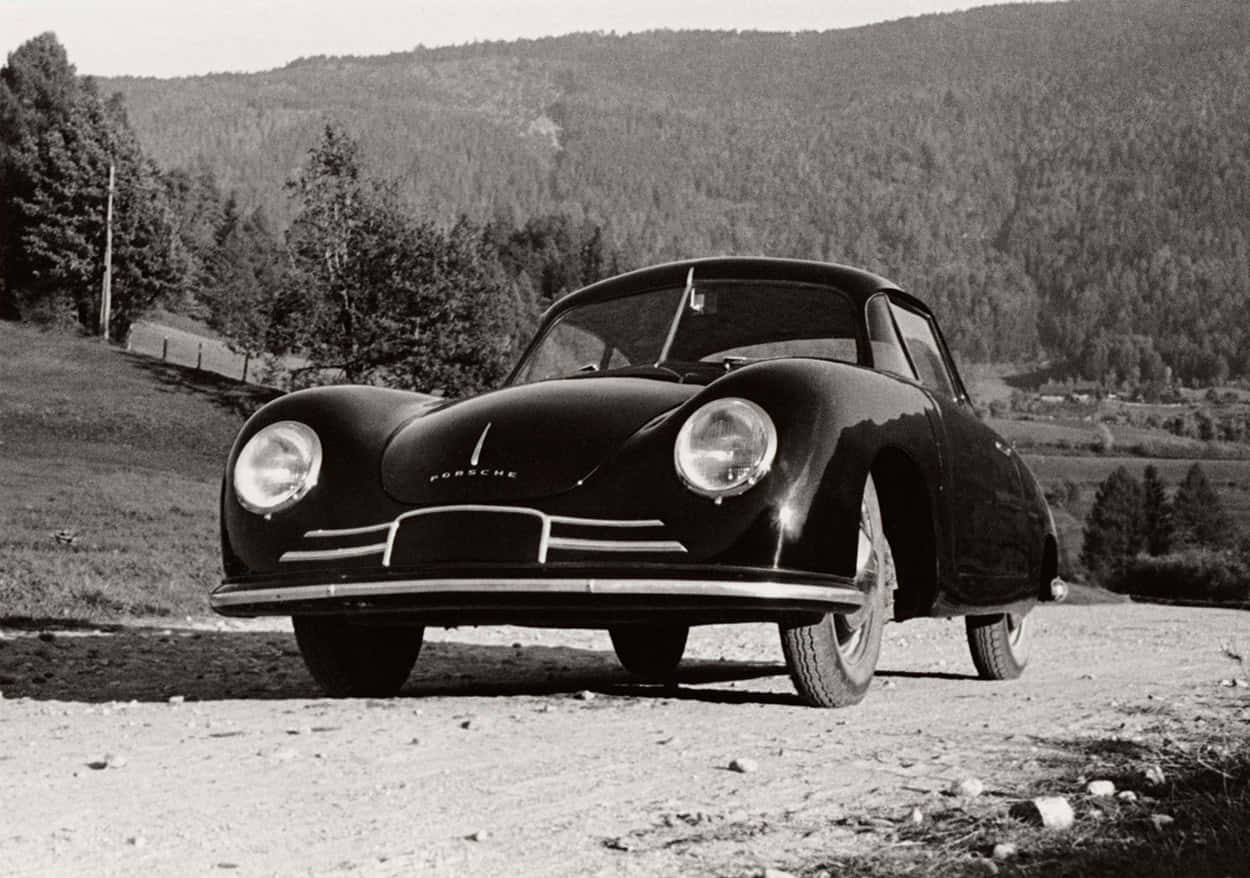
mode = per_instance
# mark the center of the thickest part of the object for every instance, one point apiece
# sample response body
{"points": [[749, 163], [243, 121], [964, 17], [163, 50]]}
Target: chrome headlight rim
{"points": [[307, 443], [761, 466]]}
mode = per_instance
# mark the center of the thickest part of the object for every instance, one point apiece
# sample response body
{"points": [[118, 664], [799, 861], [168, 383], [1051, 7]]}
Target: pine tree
{"points": [[197, 216], [1114, 527], [41, 183], [1157, 513], [58, 138], [242, 279], [1200, 519]]}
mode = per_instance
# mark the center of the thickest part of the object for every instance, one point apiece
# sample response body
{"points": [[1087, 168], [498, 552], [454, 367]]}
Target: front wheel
{"points": [[652, 652], [832, 661], [1000, 645], [356, 661]]}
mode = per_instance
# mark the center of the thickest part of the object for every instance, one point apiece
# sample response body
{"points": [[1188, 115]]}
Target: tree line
{"points": [[1140, 540], [358, 285]]}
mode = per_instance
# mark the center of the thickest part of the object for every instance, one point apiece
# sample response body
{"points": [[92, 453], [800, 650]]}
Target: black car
{"points": [[710, 441]]}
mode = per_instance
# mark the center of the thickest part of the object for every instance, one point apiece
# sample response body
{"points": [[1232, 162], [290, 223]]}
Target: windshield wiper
{"points": [[641, 370], [686, 300]]}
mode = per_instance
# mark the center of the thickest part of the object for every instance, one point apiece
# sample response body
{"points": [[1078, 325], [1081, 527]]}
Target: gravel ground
{"points": [[204, 747]]}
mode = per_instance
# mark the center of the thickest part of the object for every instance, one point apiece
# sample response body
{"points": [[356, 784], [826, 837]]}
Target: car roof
{"points": [[855, 282]]}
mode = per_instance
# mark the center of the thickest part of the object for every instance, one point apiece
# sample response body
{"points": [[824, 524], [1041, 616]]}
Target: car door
{"points": [[985, 494]]}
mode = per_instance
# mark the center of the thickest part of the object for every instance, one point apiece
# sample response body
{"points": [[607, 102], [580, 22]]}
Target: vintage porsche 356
{"points": [[710, 441]]}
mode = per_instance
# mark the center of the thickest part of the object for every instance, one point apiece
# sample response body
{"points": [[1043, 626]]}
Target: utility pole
{"points": [[106, 295]]}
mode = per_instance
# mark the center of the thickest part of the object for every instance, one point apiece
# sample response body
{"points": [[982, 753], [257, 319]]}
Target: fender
{"points": [[834, 421], [355, 422]]}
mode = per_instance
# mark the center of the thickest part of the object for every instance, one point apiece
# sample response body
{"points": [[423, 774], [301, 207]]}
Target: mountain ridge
{"points": [[1069, 178]]}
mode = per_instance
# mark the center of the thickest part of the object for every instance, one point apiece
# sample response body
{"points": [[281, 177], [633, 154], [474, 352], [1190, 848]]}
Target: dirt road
{"points": [[204, 749]]}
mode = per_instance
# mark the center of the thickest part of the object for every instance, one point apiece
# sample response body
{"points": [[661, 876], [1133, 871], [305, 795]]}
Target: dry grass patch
{"points": [[1192, 823]]}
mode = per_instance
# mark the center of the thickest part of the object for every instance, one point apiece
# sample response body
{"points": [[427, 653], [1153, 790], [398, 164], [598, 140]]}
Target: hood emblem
{"points": [[477, 449], [473, 470]]}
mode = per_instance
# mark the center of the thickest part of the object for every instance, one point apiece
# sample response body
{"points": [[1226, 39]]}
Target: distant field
{"points": [[1095, 468], [1058, 449], [1229, 478], [1080, 436]]}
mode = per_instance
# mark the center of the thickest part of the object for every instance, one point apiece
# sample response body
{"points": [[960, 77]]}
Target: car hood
{"points": [[531, 441]]}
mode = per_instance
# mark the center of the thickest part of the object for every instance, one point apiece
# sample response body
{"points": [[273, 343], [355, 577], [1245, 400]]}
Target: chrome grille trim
{"points": [[572, 544], [547, 542], [605, 522], [348, 531], [332, 554]]}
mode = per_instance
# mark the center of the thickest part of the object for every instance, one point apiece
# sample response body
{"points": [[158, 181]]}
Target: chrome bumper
{"points": [[530, 599]]}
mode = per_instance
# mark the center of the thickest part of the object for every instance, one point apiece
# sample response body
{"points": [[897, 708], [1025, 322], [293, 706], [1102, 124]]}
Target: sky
{"points": [[189, 37]]}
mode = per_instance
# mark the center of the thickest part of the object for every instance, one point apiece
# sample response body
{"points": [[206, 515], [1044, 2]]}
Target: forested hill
{"points": [[1072, 178]]}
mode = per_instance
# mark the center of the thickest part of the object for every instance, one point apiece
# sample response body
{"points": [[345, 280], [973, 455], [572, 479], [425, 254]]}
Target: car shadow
{"points": [[81, 662], [230, 394], [529, 672]]}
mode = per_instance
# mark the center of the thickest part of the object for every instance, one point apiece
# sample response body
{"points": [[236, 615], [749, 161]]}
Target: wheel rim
{"points": [[850, 640], [866, 553], [1015, 630], [849, 628]]}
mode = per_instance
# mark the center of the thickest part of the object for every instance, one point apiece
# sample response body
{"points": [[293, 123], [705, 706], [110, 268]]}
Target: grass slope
{"points": [[123, 455]]}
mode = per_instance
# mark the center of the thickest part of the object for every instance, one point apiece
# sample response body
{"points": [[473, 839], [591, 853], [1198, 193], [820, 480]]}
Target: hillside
{"points": [[121, 457], [1066, 178]]}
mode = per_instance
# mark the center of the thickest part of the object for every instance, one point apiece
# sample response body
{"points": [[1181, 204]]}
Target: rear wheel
{"points": [[359, 661], [650, 651], [1000, 644], [832, 661]]}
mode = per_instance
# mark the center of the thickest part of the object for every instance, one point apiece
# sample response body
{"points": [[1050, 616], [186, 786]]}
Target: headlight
{"points": [[725, 447], [277, 467]]}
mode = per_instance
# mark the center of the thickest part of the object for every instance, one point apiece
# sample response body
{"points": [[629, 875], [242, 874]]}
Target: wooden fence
{"points": [[184, 348]]}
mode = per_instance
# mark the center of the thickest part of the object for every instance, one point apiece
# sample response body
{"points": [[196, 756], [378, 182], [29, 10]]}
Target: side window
{"points": [[925, 352], [887, 351]]}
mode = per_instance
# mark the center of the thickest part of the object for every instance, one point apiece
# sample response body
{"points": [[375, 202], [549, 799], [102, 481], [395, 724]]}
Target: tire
{"points": [[652, 652], [356, 661], [1000, 645], [832, 661]]}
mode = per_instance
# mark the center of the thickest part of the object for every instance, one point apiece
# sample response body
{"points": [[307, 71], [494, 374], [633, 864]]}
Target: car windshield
{"points": [[714, 325]]}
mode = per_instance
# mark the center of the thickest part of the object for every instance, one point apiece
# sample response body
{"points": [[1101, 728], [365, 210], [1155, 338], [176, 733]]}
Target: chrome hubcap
{"points": [[1015, 629], [850, 633]]}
